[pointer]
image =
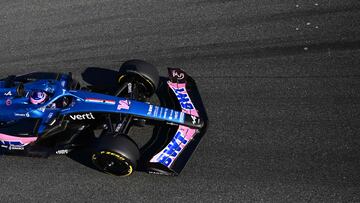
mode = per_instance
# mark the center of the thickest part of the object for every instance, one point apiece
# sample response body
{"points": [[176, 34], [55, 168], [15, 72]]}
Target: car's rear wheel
{"points": [[140, 73], [116, 155]]}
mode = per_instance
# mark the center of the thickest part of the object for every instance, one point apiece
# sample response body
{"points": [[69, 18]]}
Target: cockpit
{"points": [[61, 102]]}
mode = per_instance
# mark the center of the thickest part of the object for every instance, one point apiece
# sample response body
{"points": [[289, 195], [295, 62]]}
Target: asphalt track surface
{"points": [[279, 79]]}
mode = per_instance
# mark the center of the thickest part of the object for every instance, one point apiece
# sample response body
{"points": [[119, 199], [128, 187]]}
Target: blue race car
{"points": [[50, 113]]}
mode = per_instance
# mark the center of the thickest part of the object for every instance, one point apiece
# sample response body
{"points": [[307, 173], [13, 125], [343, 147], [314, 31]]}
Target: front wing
{"points": [[172, 146]]}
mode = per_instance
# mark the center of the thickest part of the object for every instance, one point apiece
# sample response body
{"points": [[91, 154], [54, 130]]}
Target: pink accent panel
{"points": [[177, 86], [23, 140], [8, 102], [123, 104], [188, 132]]}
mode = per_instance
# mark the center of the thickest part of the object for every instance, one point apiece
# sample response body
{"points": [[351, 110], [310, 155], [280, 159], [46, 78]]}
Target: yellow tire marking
{"points": [[119, 157]]}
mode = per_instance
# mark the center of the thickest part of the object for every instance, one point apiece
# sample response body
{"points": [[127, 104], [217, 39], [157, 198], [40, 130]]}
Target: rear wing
{"points": [[172, 146]]}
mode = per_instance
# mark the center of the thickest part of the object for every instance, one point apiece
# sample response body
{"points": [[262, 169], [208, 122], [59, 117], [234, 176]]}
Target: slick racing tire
{"points": [[145, 74], [116, 155]]}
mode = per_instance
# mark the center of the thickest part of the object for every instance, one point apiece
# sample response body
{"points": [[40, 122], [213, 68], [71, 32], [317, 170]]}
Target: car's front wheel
{"points": [[140, 73], [116, 155]]}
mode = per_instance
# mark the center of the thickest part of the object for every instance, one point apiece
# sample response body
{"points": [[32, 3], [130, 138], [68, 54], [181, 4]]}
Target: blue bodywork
{"points": [[14, 107]]}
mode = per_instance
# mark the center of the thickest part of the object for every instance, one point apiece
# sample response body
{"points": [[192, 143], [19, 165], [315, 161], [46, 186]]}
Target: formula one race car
{"points": [[49, 113]]}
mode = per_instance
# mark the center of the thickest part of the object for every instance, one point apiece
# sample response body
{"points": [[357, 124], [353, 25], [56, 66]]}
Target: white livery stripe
{"points": [[103, 101]]}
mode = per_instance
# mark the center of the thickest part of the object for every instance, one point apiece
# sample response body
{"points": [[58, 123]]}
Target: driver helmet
{"points": [[38, 97]]}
